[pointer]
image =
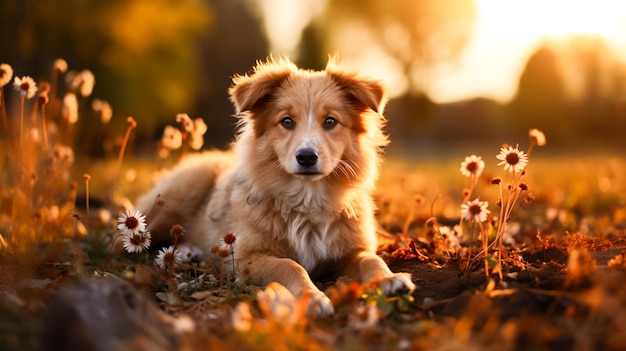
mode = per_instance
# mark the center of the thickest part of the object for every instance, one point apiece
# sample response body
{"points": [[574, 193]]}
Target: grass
{"points": [[546, 276]]}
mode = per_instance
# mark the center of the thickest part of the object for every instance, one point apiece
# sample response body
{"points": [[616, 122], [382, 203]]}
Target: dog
{"points": [[296, 188]]}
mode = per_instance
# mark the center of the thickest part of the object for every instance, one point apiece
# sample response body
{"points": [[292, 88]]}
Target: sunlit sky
{"points": [[507, 32]]}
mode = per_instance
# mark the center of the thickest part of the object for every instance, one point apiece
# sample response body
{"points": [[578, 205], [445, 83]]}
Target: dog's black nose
{"points": [[306, 157]]}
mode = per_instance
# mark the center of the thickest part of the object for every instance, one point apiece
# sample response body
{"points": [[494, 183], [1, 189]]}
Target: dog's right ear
{"points": [[249, 91]]}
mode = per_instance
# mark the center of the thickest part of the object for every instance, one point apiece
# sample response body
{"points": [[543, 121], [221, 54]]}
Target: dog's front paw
{"points": [[319, 305], [397, 283]]}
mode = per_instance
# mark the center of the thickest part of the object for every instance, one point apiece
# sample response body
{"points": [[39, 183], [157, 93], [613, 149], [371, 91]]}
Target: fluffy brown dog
{"points": [[296, 188]]}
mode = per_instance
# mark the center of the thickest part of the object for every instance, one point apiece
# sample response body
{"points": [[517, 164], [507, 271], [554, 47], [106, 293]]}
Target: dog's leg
{"points": [[265, 269], [369, 267]]}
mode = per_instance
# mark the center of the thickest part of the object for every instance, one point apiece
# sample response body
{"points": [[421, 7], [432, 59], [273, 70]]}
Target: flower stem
{"points": [[131, 124]]}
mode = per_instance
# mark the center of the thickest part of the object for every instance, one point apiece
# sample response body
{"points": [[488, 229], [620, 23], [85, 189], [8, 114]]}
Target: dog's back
{"points": [[183, 194]]}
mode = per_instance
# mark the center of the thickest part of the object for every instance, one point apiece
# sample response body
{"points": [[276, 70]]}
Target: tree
{"points": [[415, 34], [541, 101], [233, 45]]}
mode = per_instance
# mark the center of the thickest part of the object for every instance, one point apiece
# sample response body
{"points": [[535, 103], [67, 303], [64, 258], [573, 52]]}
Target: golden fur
{"points": [[295, 191]]}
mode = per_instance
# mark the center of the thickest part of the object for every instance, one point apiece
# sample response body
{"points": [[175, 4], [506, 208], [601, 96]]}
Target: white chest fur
{"points": [[313, 236]]}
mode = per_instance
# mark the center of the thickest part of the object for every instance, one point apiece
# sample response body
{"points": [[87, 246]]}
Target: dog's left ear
{"points": [[249, 91], [368, 92]]}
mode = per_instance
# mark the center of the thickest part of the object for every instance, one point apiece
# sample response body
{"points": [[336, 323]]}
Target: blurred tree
{"points": [[410, 36], [151, 58], [234, 44], [144, 53], [541, 100], [416, 34], [595, 80]]}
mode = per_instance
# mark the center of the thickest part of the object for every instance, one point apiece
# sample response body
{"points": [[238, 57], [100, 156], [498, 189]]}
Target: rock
{"points": [[106, 313]]}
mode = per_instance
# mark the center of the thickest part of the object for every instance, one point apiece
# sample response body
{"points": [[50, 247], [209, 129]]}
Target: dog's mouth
{"points": [[309, 174]]}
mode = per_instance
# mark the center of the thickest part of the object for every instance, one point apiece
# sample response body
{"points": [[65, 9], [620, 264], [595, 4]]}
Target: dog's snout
{"points": [[306, 157]]}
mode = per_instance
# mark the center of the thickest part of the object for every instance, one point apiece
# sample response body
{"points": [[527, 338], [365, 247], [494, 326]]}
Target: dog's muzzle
{"points": [[307, 162], [306, 158]]}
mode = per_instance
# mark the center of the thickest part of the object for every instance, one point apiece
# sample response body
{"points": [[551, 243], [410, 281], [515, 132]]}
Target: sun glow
{"points": [[507, 32]]}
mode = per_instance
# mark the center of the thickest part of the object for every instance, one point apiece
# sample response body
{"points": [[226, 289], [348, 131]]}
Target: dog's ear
{"points": [[248, 91], [366, 91]]}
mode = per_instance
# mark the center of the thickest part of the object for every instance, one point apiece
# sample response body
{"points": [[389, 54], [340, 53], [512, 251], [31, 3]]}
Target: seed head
{"points": [[43, 98], [177, 230], [6, 73], [223, 252], [186, 122], [229, 238], [131, 122], [537, 137], [60, 65]]}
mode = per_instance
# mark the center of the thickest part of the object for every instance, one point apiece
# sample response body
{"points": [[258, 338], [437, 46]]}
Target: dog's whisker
{"points": [[343, 167]]}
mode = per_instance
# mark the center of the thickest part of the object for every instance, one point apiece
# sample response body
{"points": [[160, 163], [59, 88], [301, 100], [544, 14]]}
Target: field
{"points": [[543, 269]]}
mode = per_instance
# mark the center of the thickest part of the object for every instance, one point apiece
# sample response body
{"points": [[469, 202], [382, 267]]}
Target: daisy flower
{"points": [[6, 73], [132, 222], [512, 158], [26, 86], [172, 138], [473, 165], [168, 257], [227, 241], [136, 242], [186, 121], [475, 210], [537, 137]]}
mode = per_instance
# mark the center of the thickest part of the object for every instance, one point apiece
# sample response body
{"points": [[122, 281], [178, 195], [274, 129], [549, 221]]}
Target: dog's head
{"points": [[313, 124]]}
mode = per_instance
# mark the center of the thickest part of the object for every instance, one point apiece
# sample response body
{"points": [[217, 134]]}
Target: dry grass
{"points": [[546, 276]]}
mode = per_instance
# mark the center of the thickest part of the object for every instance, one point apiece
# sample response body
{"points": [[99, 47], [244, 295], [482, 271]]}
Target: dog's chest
{"points": [[313, 235]]}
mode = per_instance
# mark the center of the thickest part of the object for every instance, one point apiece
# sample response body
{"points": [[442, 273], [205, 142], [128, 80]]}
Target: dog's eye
{"points": [[287, 123], [330, 123]]}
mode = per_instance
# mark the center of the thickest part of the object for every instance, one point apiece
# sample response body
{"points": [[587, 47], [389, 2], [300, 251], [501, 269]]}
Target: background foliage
{"points": [[156, 58]]}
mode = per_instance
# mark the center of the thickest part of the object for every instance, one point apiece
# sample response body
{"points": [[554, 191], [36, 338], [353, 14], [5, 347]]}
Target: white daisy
{"points": [[475, 210], [132, 222], [512, 158], [167, 257], [136, 242], [26, 86], [473, 165], [172, 138]]}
